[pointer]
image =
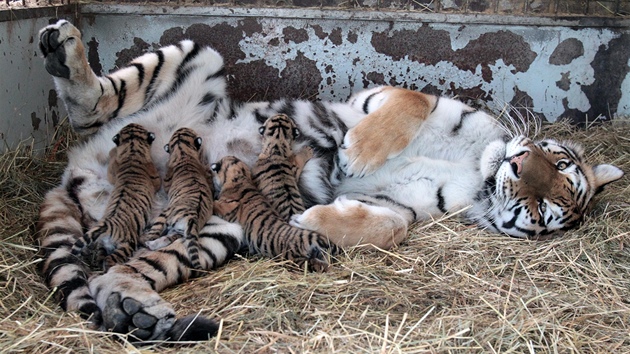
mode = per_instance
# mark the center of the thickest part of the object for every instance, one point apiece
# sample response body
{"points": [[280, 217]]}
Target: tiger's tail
{"points": [[59, 227]]}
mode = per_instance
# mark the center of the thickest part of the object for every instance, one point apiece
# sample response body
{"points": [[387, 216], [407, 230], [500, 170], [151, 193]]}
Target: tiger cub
{"points": [[136, 180], [239, 200], [278, 169], [189, 186]]}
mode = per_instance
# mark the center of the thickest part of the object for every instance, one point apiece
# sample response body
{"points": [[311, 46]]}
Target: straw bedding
{"points": [[449, 288]]}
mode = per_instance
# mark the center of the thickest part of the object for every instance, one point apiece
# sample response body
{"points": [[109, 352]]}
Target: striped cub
{"points": [[278, 169], [266, 232], [136, 181], [189, 187]]}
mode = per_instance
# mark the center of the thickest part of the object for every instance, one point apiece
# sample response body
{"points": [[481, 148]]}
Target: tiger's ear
{"points": [[198, 143], [605, 174]]}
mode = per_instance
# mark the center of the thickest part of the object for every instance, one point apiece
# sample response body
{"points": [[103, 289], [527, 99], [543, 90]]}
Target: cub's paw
{"points": [[130, 305], [60, 44], [317, 261]]}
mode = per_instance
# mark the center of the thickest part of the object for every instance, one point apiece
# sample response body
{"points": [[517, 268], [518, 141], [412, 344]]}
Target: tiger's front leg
{"points": [[394, 117], [128, 294]]}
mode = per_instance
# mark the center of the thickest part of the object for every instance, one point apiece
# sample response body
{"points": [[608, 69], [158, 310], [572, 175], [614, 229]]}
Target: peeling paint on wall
{"points": [[578, 68], [29, 105], [553, 71]]}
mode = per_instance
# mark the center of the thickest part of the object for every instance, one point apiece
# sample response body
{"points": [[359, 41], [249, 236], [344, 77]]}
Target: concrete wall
{"points": [[556, 67]]}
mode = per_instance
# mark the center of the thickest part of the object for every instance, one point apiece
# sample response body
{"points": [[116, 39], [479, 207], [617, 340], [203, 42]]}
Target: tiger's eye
{"points": [[116, 139], [562, 164]]}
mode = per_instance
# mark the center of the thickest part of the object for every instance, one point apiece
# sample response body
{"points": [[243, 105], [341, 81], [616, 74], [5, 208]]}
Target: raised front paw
{"points": [[363, 151], [130, 305], [60, 43]]}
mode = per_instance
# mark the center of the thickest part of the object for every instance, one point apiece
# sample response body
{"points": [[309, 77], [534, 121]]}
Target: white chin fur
{"points": [[492, 158]]}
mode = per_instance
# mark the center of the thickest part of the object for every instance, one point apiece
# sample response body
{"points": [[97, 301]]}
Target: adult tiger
{"points": [[391, 156]]}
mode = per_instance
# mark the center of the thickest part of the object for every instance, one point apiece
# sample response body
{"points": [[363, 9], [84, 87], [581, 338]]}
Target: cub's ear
{"points": [[198, 141], [605, 174], [150, 138]]}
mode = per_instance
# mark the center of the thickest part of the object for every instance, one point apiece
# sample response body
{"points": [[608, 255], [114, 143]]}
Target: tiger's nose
{"points": [[516, 162]]}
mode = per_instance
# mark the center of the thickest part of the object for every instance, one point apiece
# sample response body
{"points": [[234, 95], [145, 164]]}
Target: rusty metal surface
{"points": [[555, 68], [575, 67], [29, 108]]}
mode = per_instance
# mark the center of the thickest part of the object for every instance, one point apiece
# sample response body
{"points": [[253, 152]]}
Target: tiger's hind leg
{"points": [[59, 227], [128, 293], [350, 223]]}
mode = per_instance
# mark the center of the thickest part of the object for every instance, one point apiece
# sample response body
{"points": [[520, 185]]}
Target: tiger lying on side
{"points": [[188, 184], [267, 233], [278, 169], [386, 158], [135, 181]]}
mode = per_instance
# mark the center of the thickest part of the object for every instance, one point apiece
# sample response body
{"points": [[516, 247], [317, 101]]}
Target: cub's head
{"points": [[184, 142], [539, 188], [133, 132], [230, 173], [279, 128]]}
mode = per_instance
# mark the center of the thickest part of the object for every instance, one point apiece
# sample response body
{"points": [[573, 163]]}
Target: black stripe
{"points": [[67, 287], [155, 265], [440, 199], [367, 101], [113, 84], [145, 277], [181, 258], [57, 264], [122, 95], [437, 100], [220, 72], [400, 205], [461, 122], [207, 99], [149, 91], [140, 68]]}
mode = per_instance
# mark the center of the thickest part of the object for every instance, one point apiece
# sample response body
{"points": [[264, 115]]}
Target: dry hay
{"points": [[449, 288]]}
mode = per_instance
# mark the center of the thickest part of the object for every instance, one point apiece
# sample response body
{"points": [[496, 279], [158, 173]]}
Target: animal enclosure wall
{"points": [[575, 67]]}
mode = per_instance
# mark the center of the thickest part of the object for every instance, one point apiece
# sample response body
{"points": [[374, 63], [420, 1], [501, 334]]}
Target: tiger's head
{"points": [[232, 178], [184, 143], [230, 175], [536, 189], [133, 132], [279, 129]]}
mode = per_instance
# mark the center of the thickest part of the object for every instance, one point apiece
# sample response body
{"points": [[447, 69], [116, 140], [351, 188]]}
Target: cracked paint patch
{"points": [[553, 71]]}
